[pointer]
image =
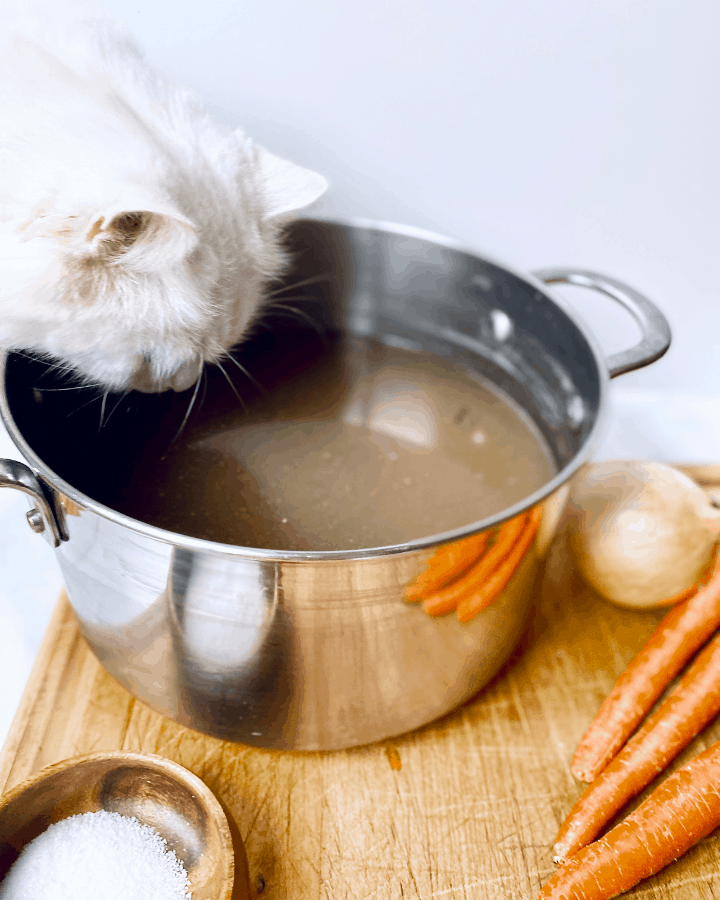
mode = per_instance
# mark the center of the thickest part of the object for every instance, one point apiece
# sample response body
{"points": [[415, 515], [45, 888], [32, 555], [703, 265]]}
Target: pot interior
{"points": [[397, 289]]}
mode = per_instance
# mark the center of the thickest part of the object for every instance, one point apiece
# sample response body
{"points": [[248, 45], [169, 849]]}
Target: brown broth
{"points": [[364, 446]]}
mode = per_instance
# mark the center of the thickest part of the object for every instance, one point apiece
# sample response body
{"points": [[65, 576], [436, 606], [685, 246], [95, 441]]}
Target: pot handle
{"points": [[653, 324], [41, 517]]}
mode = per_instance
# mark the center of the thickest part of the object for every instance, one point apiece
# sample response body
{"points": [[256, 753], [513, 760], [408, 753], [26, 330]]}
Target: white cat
{"points": [[137, 234]]}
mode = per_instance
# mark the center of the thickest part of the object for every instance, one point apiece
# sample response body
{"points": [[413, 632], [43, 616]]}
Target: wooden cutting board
{"points": [[465, 808]]}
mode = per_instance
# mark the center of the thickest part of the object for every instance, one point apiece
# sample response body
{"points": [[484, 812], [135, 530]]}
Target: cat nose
{"points": [[186, 376], [182, 378]]}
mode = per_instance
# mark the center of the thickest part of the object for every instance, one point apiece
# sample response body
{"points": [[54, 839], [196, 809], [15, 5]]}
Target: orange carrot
{"points": [[445, 600], [694, 703], [683, 630], [480, 598], [679, 813], [449, 562]]}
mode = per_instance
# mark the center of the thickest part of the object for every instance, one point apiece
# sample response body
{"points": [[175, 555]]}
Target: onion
{"points": [[641, 532]]}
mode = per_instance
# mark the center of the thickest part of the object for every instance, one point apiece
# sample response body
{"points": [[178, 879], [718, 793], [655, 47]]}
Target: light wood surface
{"points": [[466, 808]]}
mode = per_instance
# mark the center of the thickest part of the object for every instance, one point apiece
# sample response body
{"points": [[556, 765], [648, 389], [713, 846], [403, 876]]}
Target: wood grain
{"points": [[466, 808]]}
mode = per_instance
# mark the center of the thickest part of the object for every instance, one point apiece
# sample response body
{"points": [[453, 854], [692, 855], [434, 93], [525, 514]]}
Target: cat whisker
{"points": [[120, 399], [246, 373], [189, 410], [102, 411], [229, 381], [203, 375], [314, 279], [52, 364], [301, 314], [34, 357], [59, 367], [29, 356], [77, 387], [91, 400], [295, 298]]}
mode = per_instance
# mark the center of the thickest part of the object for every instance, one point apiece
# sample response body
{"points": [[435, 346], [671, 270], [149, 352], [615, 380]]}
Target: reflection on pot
{"points": [[469, 575], [230, 640]]}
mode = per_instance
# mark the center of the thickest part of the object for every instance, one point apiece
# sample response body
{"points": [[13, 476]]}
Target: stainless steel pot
{"points": [[320, 650]]}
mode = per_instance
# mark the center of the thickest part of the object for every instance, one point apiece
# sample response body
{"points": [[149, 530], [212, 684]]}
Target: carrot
{"points": [[683, 630], [449, 561], [690, 707], [487, 593], [679, 813], [445, 600]]}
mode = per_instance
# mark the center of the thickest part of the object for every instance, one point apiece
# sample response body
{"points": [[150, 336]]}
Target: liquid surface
{"points": [[364, 445]]}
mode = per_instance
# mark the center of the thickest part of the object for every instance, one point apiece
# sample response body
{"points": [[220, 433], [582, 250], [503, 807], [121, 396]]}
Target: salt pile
{"points": [[97, 856]]}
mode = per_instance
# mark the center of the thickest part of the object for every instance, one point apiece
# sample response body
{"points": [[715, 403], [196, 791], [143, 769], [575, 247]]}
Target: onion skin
{"points": [[641, 532]]}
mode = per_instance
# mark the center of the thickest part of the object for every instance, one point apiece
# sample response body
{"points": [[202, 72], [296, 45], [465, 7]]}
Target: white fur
{"points": [[137, 234]]}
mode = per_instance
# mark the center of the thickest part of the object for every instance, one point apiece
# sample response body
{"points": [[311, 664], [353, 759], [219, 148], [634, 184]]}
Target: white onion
{"points": [[641, 532]]}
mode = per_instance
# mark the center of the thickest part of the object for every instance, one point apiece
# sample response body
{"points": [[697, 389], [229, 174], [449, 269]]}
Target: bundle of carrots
{"points": [[469, 575], [686, 807]]}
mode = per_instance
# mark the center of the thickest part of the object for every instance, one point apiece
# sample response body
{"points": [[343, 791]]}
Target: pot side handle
{"points": [[41, 517], [653, 324]]}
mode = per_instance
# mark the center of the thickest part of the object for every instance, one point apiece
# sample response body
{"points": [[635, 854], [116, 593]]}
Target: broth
{"points": [[363, 445]]}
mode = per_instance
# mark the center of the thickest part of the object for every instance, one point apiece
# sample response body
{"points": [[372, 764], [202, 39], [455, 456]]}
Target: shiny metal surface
{"points": [[321, 650], [35, 520], [285, 655], [17, 475], [655, 339]]}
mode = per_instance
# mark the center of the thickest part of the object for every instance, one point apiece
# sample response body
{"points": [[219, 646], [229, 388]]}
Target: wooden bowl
{"points": [[156, 791]]}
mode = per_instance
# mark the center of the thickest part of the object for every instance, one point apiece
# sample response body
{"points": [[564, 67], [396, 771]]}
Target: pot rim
{"points": [[54, 481]]}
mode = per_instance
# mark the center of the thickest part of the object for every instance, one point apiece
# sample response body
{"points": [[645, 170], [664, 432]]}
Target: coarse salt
{"points": [[98, 856]]}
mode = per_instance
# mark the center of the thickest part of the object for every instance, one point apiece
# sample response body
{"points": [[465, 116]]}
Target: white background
{"points": [[553, 133]]}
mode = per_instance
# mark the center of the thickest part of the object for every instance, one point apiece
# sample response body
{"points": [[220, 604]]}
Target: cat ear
{"points": [[143, 236], [288, 187]]}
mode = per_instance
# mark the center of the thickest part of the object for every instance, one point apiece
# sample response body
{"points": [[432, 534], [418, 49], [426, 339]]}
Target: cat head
{"points": [[137, 235], [141, 292]]}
